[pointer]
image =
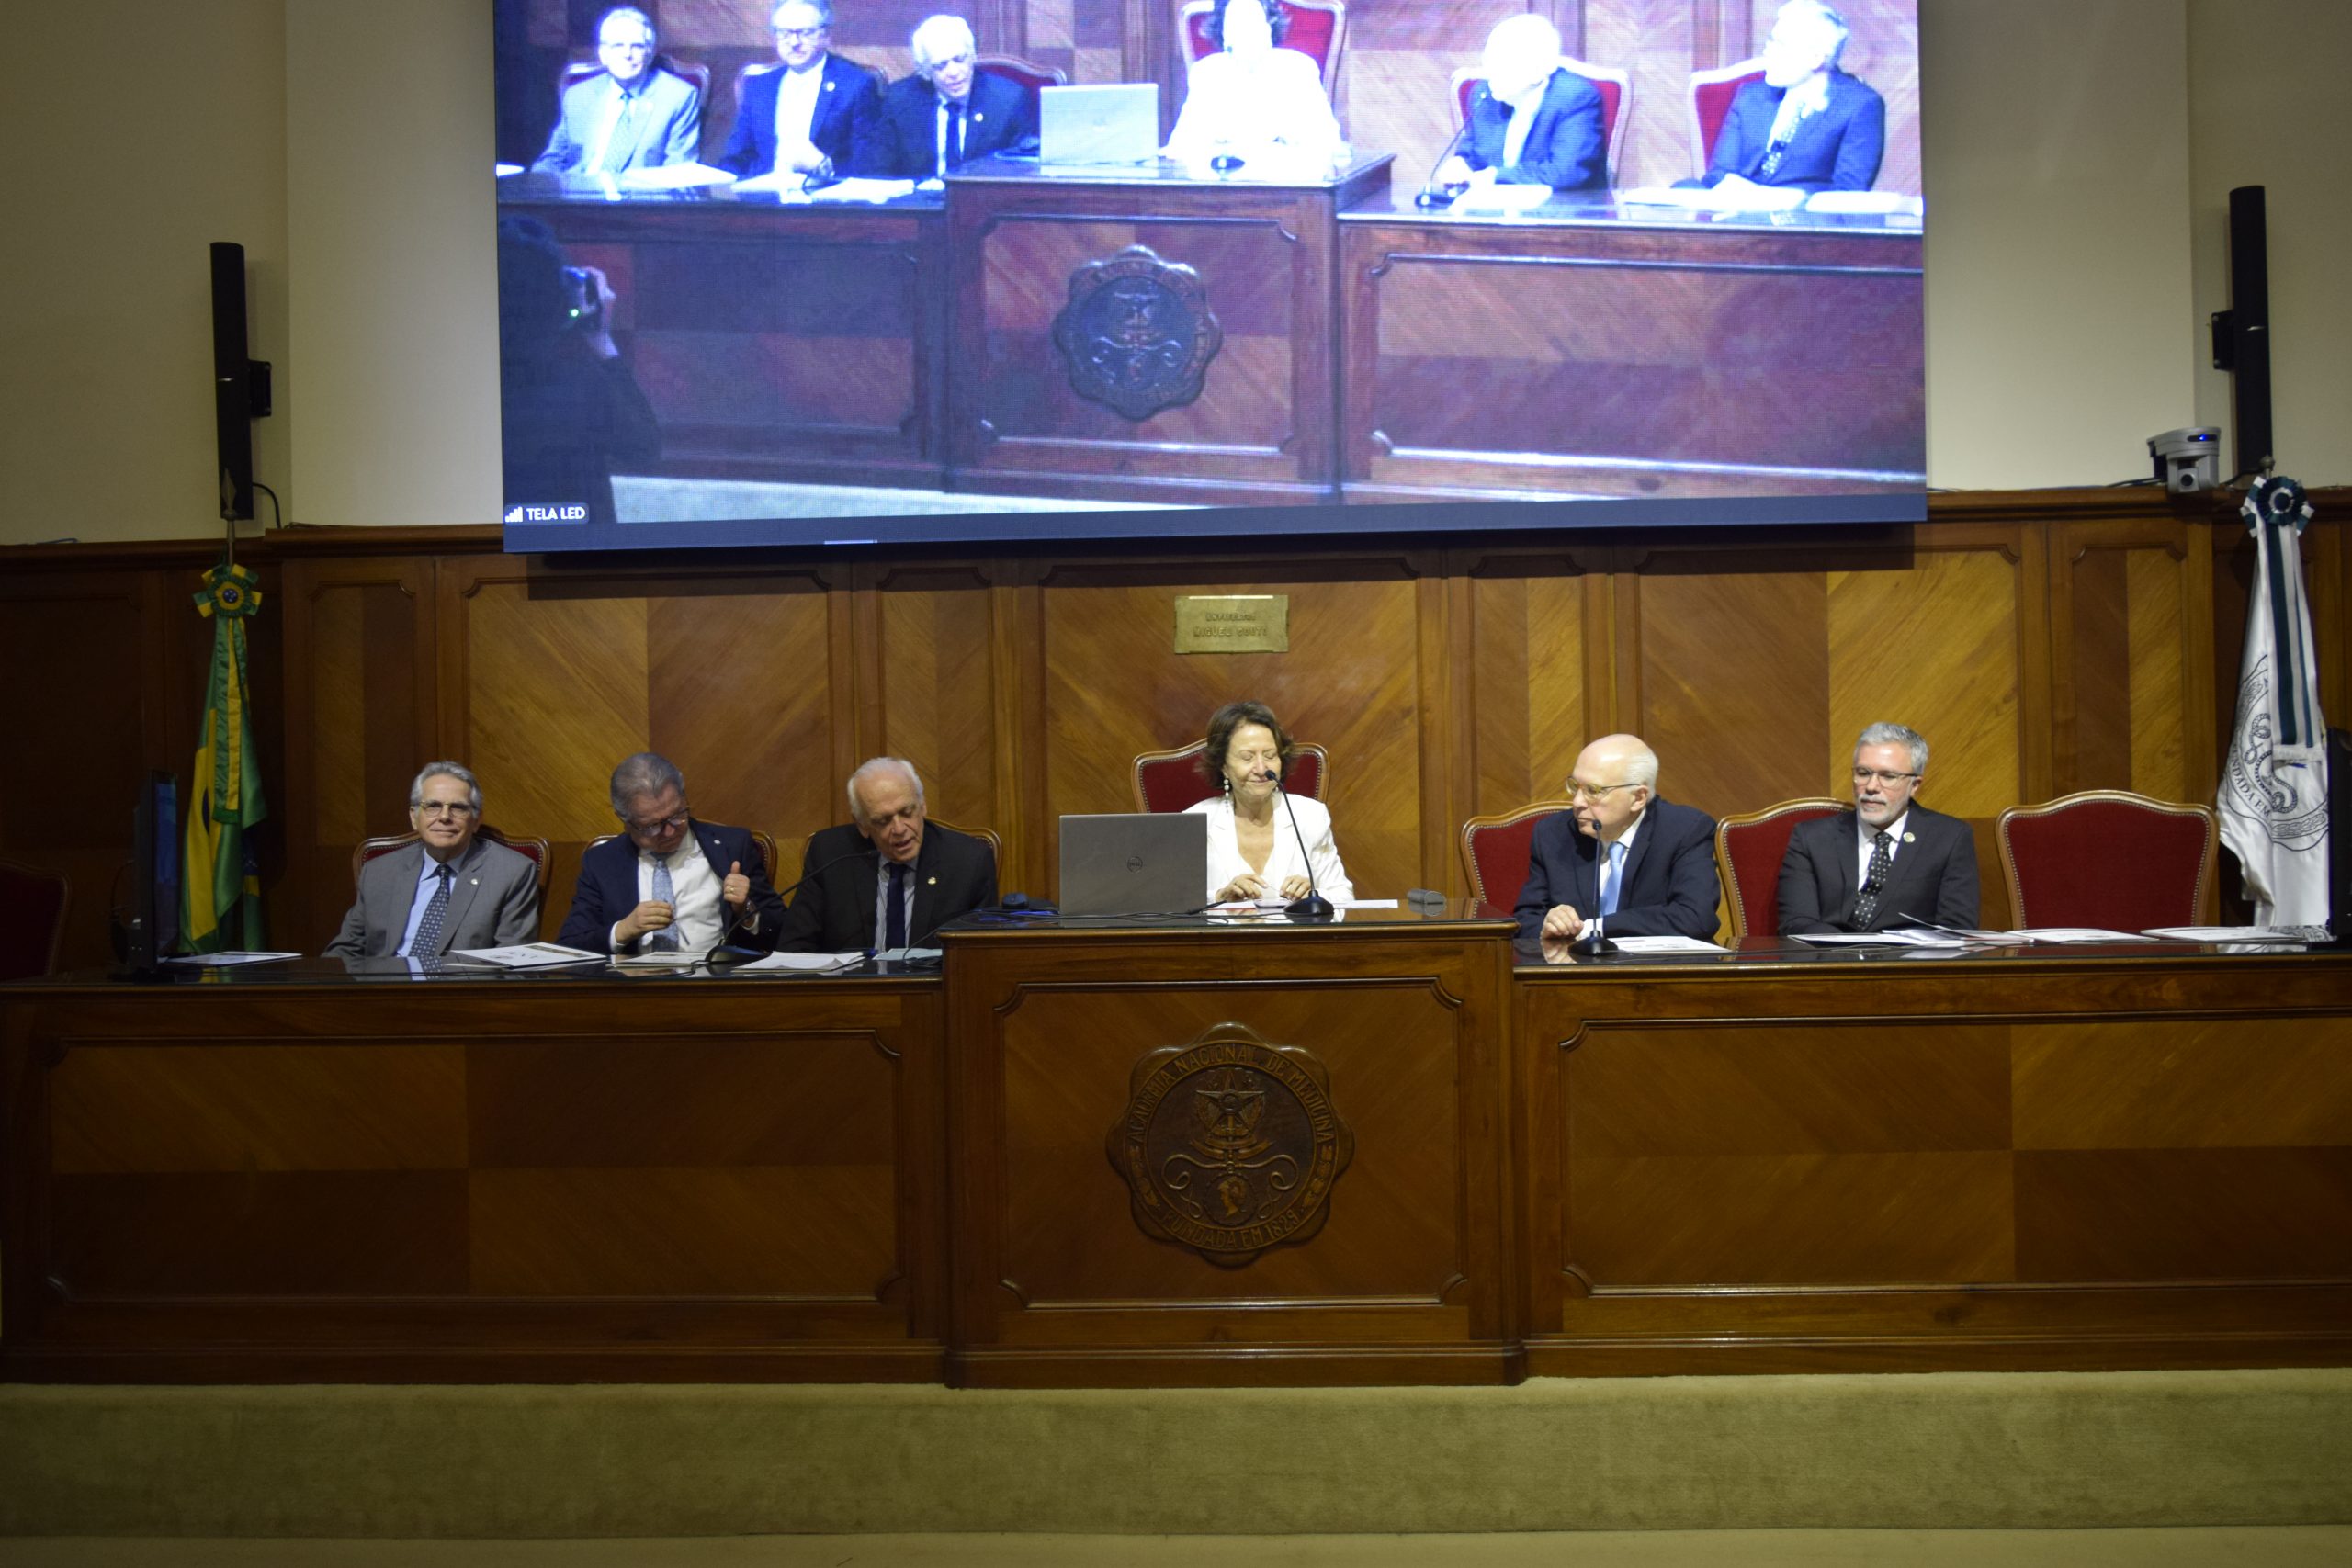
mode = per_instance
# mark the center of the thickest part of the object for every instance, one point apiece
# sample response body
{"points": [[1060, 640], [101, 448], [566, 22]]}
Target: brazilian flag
{"points": [[217, 871]]}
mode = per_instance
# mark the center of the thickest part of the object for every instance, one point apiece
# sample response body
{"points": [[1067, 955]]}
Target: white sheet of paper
{"points": [[1663, 945], [2078, 933], [801, 963], [674, 176], [229, 960], [864, 190], [526, 956], [2221, 933], [1900, 938], [1501, 198], [1363, 903]]}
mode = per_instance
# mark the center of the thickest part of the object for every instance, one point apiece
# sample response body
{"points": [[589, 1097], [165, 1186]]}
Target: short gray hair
{"points": [[648, 772], [459, 771], [1526, 35], [824, 10], [1895, 735], [652, 33], [940, 38], [874, 768]]}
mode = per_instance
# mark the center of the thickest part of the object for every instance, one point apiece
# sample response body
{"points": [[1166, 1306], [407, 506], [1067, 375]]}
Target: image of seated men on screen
{"points": [[1531, 122], [807, 112], [949, 112], [1806, 126], [634, 113]]}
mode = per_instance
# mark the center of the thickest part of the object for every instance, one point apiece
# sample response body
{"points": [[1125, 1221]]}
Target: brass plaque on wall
{"points": [[1230, 1145], [1233, 623]]}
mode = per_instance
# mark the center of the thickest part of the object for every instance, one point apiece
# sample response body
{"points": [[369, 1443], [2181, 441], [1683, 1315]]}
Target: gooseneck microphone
{"points": [[1432, 193], [736, 924], [1314, 906]]}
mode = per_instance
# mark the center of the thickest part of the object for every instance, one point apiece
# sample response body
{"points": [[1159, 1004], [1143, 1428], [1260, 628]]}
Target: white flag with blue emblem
{"points": [[2274, 786]]}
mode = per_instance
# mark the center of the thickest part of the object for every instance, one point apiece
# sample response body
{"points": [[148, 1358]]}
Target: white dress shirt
{"points": [[694, 895], [795, 106], [1595, 923], [1865, 833]]}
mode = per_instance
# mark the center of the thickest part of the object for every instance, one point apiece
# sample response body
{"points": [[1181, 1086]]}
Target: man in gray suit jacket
{"points": [[447, 891], [631, 115], [1892, 862]]}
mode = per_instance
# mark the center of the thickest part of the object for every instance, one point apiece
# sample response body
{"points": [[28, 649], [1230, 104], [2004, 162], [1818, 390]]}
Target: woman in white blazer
{"points": [[1255, 827]]}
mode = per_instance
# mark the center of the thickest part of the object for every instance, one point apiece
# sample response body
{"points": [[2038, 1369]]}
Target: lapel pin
{"points": [[1910, 837], [931, 882], [473, 882]]}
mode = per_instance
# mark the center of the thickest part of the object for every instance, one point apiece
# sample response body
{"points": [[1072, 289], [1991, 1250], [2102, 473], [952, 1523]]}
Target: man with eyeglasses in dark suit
{"points": [[668, 883], [1891, 862], [1619, 862]]}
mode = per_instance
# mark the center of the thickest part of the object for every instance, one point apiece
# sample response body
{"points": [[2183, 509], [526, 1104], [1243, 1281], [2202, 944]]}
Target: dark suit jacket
{"points": [[1564, 146], [844, 104], [607, 888], [1837, 148], [953, 874], [493, 902], [1671, 884], [901, 137], [1933, 877]]}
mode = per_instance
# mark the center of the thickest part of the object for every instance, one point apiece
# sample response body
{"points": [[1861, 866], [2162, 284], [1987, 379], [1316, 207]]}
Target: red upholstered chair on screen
{"points": [[1616, 89], [32, 919], [2109, 858], [1495, 851], [1318, 29], [1028, 73], [1749, 850], [581, 70], [1170, 781], [1711, 95], [535, 848]]}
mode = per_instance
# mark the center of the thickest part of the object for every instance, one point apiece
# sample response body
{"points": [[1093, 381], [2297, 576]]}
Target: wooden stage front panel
{"points": [[2002, 1163], [1057, 1280], [526, 1180], [1584, 350]]}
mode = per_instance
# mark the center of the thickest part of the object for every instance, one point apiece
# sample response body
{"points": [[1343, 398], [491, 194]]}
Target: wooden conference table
{"points": [[1394, 1149], [1258, 339]]}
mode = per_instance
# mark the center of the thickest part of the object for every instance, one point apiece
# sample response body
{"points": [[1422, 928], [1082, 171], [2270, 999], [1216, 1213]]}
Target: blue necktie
{"points": [[666, 939], [895, 934], [1615, 881], [426, 944]]}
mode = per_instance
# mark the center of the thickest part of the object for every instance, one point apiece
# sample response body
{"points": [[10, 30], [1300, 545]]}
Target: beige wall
{"points": [[2065, 298]]}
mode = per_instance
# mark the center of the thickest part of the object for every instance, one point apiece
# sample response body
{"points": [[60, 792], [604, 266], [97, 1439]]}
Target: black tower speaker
{"points": [[2242, 332], [232, 382]]}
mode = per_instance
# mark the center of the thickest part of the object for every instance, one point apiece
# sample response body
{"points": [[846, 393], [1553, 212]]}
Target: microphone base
{"points": [[1314, 906], [1441, 195]]}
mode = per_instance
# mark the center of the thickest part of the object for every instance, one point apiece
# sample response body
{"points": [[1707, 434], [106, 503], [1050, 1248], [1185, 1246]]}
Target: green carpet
{"points": [[1912, 1451]]}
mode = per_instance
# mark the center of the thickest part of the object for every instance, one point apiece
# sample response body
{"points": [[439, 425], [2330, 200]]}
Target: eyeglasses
{"points": [[1579, 789], [802, 35], [666, 824], [432, 809], [1866, 775]]}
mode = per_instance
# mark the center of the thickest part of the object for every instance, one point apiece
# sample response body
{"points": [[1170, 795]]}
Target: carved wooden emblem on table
{"points": [[1137, 333], [1230, 1145]]}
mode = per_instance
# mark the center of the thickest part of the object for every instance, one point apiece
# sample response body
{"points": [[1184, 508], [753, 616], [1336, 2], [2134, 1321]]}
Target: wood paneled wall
{"points": [[1393, 94], [2043, 642]]}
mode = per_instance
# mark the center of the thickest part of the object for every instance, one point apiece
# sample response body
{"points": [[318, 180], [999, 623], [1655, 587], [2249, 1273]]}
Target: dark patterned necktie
{"points": [[895, 934], [953, 150], [426, 944], [1873, 881]]}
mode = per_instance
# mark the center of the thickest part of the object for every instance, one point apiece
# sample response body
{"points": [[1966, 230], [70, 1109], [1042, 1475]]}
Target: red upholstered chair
{"points": [[1710, 95], [581, 70], [2109, 858], [1318, 29], [1170, 781], [1495, 851], [1615, 87], [32, 919], [1749, 852], [1028, 73], [537, 849]]}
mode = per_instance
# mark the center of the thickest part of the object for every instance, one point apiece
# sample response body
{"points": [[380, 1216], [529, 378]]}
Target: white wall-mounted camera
{"points": [[2187, 460]]}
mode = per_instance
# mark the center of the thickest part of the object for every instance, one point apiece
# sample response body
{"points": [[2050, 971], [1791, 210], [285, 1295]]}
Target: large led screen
{"points": [[799, 274]]}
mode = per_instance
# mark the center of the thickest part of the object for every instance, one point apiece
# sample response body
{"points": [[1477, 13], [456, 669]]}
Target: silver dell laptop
{"points": [[1116, 123], [1144, 864]]}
